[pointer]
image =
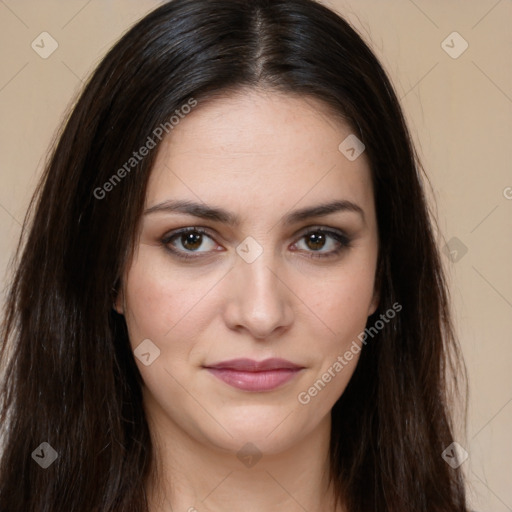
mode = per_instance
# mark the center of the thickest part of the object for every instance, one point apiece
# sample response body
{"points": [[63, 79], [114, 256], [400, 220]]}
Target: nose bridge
{"points": [[260, 302], [260, 277]]}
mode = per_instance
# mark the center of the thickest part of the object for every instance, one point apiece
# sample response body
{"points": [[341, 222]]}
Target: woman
{"points": [[229, 294]]}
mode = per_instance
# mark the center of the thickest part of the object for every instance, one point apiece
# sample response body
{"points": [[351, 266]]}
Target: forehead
{"points": [[258, 146]]}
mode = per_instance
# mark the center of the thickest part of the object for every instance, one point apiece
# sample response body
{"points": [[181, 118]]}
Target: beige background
{"points": [[459, 112]]}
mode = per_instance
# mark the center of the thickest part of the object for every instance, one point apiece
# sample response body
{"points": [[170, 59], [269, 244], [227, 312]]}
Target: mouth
{"points": [[256, 376]]}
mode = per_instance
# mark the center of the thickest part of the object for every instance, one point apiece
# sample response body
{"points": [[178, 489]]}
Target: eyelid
{"points": [[166, 239], [324, 229], [212, 234], [184, 255], [339, 235]]}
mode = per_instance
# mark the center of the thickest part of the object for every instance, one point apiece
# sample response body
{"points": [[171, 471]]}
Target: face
{"points": [[258, 244]]}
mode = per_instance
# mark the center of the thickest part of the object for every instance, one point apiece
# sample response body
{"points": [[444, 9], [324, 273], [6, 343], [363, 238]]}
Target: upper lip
{"points": [[250, 365]]}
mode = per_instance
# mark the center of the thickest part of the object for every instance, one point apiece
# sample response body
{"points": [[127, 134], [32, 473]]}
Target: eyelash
{"points": [[341, 238]]}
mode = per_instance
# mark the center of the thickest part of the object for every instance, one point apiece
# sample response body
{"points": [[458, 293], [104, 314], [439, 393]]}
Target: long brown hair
{"points": [[70, 378]]}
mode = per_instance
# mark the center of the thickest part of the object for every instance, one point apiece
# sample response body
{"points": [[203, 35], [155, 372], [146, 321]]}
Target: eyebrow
{"points": [[204, 211]]}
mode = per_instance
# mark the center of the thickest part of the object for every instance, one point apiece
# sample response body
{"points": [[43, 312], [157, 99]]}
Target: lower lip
{"points": [[255, 381]]}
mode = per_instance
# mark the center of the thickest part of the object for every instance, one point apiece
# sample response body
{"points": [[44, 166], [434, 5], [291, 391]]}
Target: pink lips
{"points": [[251, 375]]}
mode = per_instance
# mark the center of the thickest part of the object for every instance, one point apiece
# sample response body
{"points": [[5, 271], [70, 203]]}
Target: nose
{"points": [[259, 300]]}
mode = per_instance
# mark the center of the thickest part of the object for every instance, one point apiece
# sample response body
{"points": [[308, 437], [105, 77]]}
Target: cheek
{"points": [[161, 300], [343, 305], [343, 301], [343, 308]]}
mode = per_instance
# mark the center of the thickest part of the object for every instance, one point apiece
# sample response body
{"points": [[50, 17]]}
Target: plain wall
{"points": [[459, 112]]}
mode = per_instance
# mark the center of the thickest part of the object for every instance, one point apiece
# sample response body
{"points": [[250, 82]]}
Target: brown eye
{"points": [[323, 243], [315, 241], [188, 241], [191, 241]]}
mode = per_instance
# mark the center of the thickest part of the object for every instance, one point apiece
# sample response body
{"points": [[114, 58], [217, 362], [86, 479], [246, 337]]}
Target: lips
{"points": [[251, 375], [250, 365]]}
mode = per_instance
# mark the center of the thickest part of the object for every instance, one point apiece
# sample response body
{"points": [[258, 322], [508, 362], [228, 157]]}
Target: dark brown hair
{"points": [[70, 376]]}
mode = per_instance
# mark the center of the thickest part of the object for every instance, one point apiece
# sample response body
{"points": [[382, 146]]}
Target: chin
{"points": [[270, 433]]}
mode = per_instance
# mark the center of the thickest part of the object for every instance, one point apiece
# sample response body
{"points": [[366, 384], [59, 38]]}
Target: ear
{"points": [[376, 291], [375, 302], [118, 303]]}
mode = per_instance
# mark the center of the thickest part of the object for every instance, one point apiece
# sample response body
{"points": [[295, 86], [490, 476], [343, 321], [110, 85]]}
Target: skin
{"points": [[259, 155]]}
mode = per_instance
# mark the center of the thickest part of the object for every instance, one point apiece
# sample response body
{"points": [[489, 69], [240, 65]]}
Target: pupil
{"points": [[191, 240], [316, 241]]}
